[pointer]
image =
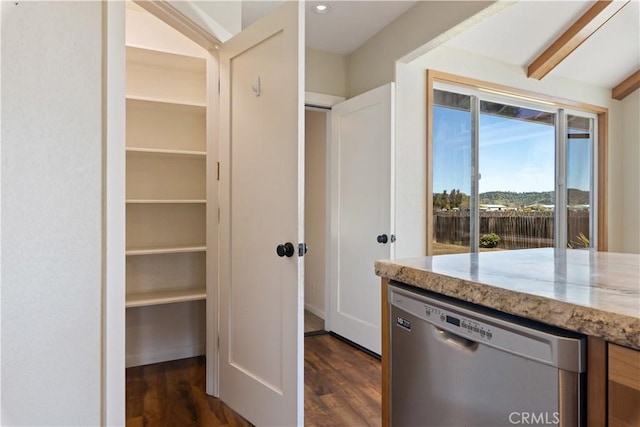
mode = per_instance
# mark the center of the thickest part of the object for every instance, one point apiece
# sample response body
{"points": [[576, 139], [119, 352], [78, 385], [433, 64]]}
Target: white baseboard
{"points": [[165, 355], [315, 310]]}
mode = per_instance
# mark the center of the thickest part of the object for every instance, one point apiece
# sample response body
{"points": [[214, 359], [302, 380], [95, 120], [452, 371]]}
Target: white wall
{"points": [[315, 211], [411, 136], [226, 13], [373, 63], [51, 198], [326, 72], [629, 201]]}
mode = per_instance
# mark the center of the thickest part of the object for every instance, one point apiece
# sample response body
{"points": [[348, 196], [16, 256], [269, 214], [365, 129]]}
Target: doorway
{"points": [[316, 120]]}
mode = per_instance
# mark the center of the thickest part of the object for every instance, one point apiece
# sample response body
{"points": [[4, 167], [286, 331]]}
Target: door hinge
{"points": [[302, 249], [218, 171]]}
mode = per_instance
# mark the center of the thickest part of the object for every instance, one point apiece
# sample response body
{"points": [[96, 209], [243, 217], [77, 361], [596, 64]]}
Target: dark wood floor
{"points": [[342, 388], [341, 384], [172, 394]]}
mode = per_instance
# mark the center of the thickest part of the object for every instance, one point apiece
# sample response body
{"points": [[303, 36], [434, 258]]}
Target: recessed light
{"points": [[321, 8]]}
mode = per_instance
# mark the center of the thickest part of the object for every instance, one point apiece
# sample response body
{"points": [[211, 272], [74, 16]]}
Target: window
{"points": [[509, 172]]}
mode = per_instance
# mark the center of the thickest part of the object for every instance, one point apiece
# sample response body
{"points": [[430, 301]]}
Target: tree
{"points": [[454, 200]]}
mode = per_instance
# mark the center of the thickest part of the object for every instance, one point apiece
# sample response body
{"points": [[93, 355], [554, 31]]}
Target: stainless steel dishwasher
{"points": [[457, 364]]}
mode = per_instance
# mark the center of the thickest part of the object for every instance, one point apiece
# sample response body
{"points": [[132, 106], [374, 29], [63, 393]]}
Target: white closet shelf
{"points": [[165, 250], [165, 297], [162, 50], [168, 201], [166, 151], [165, 60], [167, 101]]}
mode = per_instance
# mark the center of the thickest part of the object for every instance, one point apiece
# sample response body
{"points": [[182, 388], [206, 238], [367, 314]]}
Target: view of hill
{"points": [[511, 199]]}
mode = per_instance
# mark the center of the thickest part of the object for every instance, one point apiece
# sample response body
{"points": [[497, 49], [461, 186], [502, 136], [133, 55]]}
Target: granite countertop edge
{"points": [[616, 328]]}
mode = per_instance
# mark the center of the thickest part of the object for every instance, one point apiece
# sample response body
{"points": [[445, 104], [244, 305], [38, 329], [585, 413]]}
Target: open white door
{"points": [[362, 145], [261, 207]]}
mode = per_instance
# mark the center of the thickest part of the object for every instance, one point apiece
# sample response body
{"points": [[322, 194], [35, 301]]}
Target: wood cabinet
{"points": [[623, 386], [166, 192]]}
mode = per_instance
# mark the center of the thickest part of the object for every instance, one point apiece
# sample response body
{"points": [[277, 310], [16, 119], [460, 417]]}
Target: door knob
{"points": [[286, 250], [383, 238]]}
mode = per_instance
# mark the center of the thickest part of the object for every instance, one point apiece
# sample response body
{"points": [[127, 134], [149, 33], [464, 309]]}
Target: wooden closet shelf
{"points": [[167, 101], [165, 297], [165, 250], [168, 201], [166, 151]]}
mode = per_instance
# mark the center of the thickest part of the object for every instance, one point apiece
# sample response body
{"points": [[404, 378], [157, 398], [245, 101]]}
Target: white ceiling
{"points": [[521, 32], [344, 28], [516, 35]]}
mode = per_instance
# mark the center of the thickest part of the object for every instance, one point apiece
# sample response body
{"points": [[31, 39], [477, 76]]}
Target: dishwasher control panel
{"points": [[466, 326], [485, 328]]}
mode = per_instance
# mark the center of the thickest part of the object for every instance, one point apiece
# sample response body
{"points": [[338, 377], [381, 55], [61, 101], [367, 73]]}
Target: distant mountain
{"points": [[577, 197], [512, 199]]}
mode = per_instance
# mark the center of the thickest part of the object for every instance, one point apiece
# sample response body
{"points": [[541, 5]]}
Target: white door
{"points": [[261, 207], [361, 212]]}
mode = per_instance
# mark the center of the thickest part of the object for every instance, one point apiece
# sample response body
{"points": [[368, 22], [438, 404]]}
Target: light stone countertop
{"points": [[594, 293]]}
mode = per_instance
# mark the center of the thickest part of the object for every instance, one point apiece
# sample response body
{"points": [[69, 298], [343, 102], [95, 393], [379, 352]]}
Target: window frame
{"points": [[560, 106]]}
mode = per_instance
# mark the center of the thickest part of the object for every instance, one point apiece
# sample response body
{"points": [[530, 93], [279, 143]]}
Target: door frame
{"points": [[316, 101], [208, 34], [113, 219]]}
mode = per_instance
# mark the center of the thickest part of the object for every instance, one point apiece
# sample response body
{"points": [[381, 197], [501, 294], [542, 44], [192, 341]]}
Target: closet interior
{"points": [[166, 191]]}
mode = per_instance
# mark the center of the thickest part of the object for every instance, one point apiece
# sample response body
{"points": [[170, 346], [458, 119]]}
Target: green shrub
{"points": [[490, 240]]}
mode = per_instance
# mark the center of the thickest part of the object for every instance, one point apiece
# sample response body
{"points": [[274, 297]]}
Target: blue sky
{"points": [[515, 155]]}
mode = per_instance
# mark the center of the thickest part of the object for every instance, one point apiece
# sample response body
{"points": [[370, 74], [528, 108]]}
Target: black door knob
{"points": [[286, 250], [383, 238]]}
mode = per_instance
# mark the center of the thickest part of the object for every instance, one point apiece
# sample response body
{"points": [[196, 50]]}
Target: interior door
{"points": [[262, 200], [362, 142]]}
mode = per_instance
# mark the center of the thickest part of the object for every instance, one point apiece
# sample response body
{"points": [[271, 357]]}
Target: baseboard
{"points": [[165, 355], [315, 310], [356, 345]]}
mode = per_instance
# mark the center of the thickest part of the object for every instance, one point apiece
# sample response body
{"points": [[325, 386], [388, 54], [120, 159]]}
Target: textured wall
{"points": [[51, 198]]}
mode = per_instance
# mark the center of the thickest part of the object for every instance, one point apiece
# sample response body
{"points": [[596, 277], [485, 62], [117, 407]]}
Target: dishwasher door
{"points": [[454, 366]]}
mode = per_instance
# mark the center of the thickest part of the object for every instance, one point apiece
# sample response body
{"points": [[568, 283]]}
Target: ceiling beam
{"points": [[577, 33], [629, 84]]}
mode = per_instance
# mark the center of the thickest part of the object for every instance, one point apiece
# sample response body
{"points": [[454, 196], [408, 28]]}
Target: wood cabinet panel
{"points": [[624, 366], [596, 382], [624, 386]]}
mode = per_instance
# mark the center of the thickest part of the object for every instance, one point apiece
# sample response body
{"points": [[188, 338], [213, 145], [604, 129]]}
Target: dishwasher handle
{"points": [[454, 339]]}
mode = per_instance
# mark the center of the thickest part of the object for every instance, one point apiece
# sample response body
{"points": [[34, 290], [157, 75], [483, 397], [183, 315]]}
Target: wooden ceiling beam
{"points": [[575, 35], [629, 84]]}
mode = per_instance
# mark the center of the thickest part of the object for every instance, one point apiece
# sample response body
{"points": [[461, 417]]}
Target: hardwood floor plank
{"points": [[342, 388], [155, 394], [180, 404], [342, 384], [134, 421], [135, 390]]}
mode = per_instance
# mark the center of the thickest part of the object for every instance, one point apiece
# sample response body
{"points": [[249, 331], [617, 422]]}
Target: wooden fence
{"points": [[516, 229]]}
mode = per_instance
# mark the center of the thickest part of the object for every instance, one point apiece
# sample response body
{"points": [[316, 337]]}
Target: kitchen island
{"points": [[593, 293]]}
